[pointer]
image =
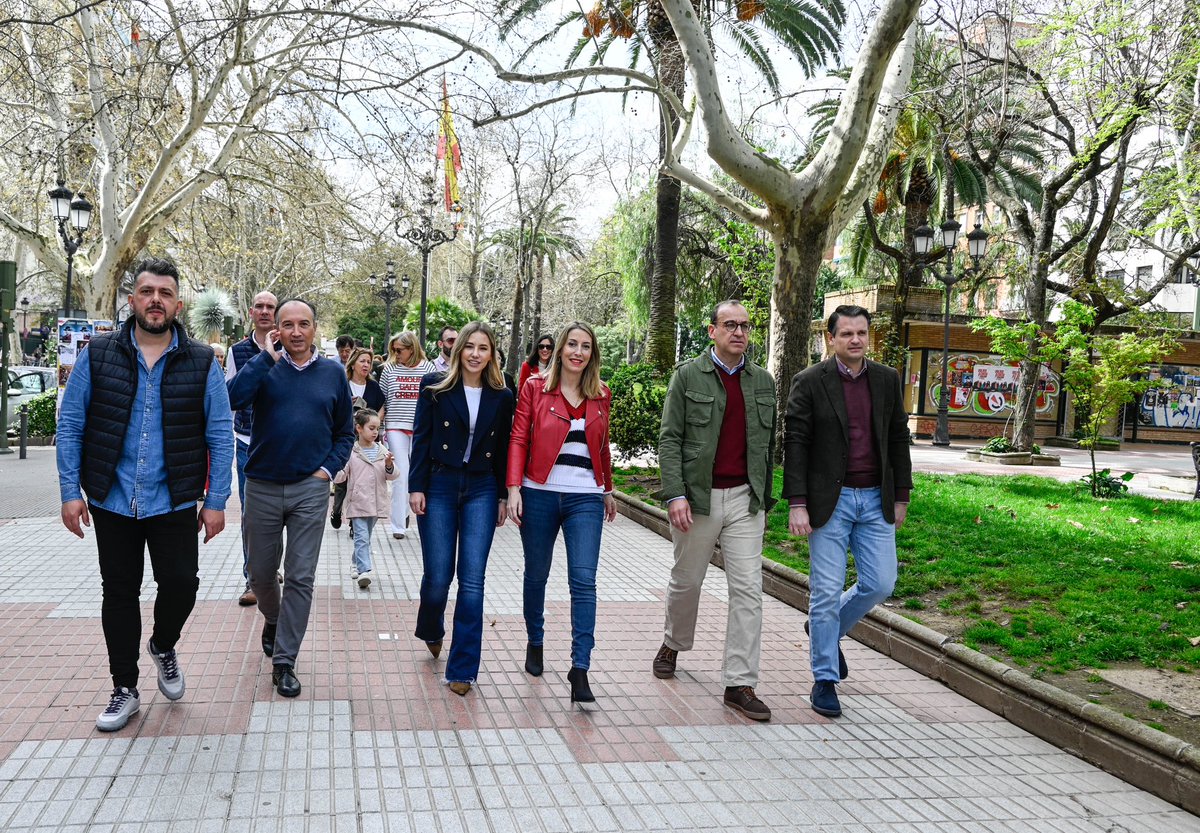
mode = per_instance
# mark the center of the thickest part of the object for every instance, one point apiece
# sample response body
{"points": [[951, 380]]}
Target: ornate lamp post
{"points": [[386, 291], [976, 248], [24, 315], [75, 208], [426, 237]]}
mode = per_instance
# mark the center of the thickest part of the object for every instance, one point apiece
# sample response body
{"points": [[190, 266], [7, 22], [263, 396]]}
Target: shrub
{"points": [[638, 394], [998, 445], [1105, 484], [43, 414]]}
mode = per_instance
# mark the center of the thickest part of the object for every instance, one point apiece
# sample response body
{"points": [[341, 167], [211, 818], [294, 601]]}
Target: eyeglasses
{"points": [[545, 346], [734, 326]]}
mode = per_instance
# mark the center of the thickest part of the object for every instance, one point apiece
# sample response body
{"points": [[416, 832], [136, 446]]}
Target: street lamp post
{"points": [[74, 208], [976, 248], [25, 315], [386, 291], [426, 237]]}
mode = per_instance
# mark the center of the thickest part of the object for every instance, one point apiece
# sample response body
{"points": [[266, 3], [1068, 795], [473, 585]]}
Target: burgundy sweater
{"points": [[729, 465]]}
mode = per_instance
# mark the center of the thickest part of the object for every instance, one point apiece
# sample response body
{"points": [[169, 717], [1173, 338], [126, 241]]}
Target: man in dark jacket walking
{"points": [[144, 415], [847, 477]]}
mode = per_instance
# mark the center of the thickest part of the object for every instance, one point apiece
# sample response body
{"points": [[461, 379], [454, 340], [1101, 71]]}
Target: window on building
{"points": [[1144, 277], [1115, 276]]}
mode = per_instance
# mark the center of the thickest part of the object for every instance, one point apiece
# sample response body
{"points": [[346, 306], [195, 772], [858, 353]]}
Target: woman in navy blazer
{"points": [[457, 492]]}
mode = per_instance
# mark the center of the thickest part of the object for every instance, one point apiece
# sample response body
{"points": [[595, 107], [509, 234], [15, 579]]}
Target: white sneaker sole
{"points": [[113, 724], [364, 581]]}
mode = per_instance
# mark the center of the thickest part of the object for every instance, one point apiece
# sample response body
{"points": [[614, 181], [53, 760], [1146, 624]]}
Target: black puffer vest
{"points": [[113, 362]]}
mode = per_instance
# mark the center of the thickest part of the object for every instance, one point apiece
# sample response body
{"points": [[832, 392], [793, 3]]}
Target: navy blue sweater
{"points": [[303, 419]]}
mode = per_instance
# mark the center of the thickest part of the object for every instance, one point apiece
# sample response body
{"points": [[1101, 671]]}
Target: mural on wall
{"points": [[1177, 405], [984, 385]]}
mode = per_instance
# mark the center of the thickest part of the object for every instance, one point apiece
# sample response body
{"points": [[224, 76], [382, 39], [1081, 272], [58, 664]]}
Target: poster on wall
{"points": [[984, 385], [1177, 403], [73, 336]]}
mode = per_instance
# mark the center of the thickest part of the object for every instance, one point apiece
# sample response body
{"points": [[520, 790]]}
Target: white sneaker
{"points": [[353, 574], [123, 705], [170, 678], [364, 579]]}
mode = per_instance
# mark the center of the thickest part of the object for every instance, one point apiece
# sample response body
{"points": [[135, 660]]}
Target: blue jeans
{"points": [[242, 455], [857, 524], [581, 518], [456, 537], [362, 542]]}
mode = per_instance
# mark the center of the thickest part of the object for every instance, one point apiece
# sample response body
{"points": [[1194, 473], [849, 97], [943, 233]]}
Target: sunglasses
{"points": [[545, 346]]}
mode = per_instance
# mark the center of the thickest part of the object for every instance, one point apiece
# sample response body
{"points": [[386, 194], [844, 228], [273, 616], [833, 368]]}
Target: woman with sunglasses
{"points": [[401, 382], [560, 477], [538, 361]]}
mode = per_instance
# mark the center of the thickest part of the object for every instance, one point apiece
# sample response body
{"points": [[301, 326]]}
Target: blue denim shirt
{"points": [[139, 489]]}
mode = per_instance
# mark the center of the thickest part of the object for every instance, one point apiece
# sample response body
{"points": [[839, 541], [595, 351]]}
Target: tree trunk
{"points": [[660, 335], [798, 253], [518, 307], [535, 328]]}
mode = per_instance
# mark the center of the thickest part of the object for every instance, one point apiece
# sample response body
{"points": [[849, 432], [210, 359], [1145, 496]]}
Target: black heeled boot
{"points": [[533, 660], [581, 692]]}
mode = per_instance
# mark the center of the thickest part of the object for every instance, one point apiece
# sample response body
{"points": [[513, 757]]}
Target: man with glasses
{"points": [[715, 451], [446, 339]]}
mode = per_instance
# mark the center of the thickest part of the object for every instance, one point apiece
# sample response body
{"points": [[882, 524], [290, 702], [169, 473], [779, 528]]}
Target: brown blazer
{"points": [[816, 438]]}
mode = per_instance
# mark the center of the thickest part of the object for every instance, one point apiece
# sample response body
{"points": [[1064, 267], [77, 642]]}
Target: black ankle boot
{"points": [[581, 692], [533, 660], [268, 638]]}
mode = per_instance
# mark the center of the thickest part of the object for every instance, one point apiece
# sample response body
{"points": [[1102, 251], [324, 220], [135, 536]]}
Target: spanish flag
{"points": [[448, 150]]}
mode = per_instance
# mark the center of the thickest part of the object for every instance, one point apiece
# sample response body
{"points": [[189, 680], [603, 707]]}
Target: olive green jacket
{"points": [[691, 426]]}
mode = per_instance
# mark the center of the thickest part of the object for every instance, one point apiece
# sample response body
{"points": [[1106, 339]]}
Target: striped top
{"points": [[401, 385], [572, 471]]}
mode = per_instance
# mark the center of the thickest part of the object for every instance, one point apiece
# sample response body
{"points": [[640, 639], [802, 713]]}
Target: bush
{"points": [[638, 394], [998, 445], [43, 415], [1105, 484]]}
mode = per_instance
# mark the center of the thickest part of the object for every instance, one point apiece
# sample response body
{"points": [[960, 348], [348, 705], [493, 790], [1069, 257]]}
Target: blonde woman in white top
{"points": [[401, 383]]}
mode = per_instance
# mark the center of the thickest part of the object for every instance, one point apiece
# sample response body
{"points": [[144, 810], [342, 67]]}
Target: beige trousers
{"points": [[741, 535]]}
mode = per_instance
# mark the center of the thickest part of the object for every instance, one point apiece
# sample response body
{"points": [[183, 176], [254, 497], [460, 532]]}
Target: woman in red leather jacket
{"points": [[560, 477]]}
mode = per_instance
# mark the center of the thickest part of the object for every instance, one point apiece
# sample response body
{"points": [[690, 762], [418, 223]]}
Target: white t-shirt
{"points": [[357, 390], [473, 396]]}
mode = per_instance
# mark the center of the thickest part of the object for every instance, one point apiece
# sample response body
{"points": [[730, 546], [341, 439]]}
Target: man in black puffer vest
{"points": [[144, 416]]}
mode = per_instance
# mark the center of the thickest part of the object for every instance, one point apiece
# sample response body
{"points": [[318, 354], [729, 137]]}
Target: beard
{"points": [[155, 329]]}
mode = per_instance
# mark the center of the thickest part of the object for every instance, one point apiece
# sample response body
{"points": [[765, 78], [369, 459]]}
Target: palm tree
{"points": [[808, 29], [536, 245]]}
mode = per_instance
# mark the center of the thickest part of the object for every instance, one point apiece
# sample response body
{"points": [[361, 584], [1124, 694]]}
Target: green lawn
{"points": [[1036, 570]]}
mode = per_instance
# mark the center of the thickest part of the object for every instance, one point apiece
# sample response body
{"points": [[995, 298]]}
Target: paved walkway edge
{"points": [[1151, 760]]}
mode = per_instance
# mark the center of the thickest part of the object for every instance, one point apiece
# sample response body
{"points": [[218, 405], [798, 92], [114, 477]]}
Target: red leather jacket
{"points": [[540, 427]]}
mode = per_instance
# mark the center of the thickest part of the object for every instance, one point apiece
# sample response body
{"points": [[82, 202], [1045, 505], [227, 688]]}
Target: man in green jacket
{"points": [[715, 451]]}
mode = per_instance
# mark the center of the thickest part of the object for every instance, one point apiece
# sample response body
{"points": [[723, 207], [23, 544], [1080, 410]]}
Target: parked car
{"points": [[24, 383]]}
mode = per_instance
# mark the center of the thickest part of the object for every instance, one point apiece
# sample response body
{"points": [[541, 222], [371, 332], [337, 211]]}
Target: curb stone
{"points": [[1151, 760]]}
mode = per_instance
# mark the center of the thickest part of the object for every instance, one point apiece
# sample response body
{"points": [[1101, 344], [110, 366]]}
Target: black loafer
{"points": [[285, 682], [843, 668], [268, 639], [533, 660]]}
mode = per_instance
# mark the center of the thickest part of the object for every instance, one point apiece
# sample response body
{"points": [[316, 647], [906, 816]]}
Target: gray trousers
{"points": [[270, 508]]}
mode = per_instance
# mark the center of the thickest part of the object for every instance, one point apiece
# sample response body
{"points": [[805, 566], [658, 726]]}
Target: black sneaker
{"points": [[122, 706], [335, 520]]}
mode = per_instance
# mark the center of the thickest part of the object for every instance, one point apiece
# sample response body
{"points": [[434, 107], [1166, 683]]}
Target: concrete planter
{"points": [[1011, 458], [1045, 460], [973, 455]]}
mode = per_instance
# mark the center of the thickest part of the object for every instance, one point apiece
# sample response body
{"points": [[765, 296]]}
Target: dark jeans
{"points": [[174, 558], [581, 519], [456, 537]]}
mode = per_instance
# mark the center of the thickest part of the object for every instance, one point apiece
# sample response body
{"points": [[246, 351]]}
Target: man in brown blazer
{"points": [[847, 478]]}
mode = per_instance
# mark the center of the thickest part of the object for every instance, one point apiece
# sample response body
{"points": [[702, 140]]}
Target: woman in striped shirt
{"points": [[560, 477], [401, 382]]}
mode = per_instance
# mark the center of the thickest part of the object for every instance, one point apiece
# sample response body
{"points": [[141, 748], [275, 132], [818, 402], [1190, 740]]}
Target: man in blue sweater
{"points": [[302, 434]]}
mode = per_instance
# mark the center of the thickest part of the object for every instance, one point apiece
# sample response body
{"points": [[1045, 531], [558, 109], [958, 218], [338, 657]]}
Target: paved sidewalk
{"points": [[376, 742]]}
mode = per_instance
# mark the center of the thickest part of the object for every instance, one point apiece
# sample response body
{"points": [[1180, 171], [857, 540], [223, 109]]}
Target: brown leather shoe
{"points": [[248, 598], [664, 662], [461, 689], [743, 699], [435, 648]]}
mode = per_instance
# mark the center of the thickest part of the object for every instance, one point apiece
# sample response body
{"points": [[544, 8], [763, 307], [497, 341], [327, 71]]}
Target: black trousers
{"points": [[339, 497], [174, 557]]}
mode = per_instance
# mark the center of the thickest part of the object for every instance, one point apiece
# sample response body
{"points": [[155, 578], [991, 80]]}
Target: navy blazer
{"points": [[441, 427]]}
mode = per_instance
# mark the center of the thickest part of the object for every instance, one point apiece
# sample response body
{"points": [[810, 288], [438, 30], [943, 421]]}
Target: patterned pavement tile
{"points": [[376, 742]]}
